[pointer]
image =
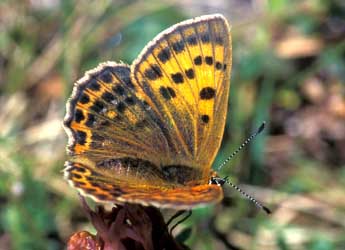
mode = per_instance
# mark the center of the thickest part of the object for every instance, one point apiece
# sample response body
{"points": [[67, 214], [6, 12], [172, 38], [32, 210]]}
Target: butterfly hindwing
{"points": [[96, 183]]}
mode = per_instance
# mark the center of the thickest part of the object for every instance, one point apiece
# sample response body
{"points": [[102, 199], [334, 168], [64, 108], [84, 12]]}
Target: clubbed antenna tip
{"points": [[221, 181], [258, 131], [266, 210], [262, 127]]}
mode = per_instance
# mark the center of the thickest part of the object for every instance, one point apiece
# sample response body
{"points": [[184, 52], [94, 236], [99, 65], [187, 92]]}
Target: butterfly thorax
{"points": [[146, 170]]}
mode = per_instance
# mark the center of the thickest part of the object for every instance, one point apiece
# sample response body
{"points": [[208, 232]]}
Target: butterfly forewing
{"points": [[212, 135], [184, 72]]}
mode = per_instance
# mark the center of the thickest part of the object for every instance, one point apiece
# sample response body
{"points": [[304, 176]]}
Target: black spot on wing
{"points": [[153, 73], [78, 115], [108, 97], [167, 92], [121, 107], [219, 66], [118, 89], [178, 46], [207, 93], [98, 106], [164, 55], [198, 60], [205, 118], [129, 100], [90, 120], [190, 73], [81, 137], [209, 60], [177, 78], [84, 98]]}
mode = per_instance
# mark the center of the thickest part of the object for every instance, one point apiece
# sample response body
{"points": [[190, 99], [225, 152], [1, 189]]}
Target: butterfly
{"points": [[148, 133]]}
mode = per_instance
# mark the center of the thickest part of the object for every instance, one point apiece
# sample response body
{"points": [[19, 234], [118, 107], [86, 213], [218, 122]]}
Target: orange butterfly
{"points": [[148, 133]]}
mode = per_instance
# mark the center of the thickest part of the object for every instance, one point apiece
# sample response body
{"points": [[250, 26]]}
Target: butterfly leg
{"points": [[176, 215]]}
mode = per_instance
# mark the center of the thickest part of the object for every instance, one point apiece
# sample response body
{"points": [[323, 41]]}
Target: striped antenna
{"points": [[258, 204], [221, 181], [260, 129]]}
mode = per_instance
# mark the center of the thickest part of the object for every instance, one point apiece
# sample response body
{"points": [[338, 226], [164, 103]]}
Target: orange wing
{"points": [[184, 74], [103, 186], [149, 133], [106, 119]]}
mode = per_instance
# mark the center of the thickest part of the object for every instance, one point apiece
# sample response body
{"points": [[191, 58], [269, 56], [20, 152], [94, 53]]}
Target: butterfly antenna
{"points": [[258, 204], [226, 179], [258, 131]]}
